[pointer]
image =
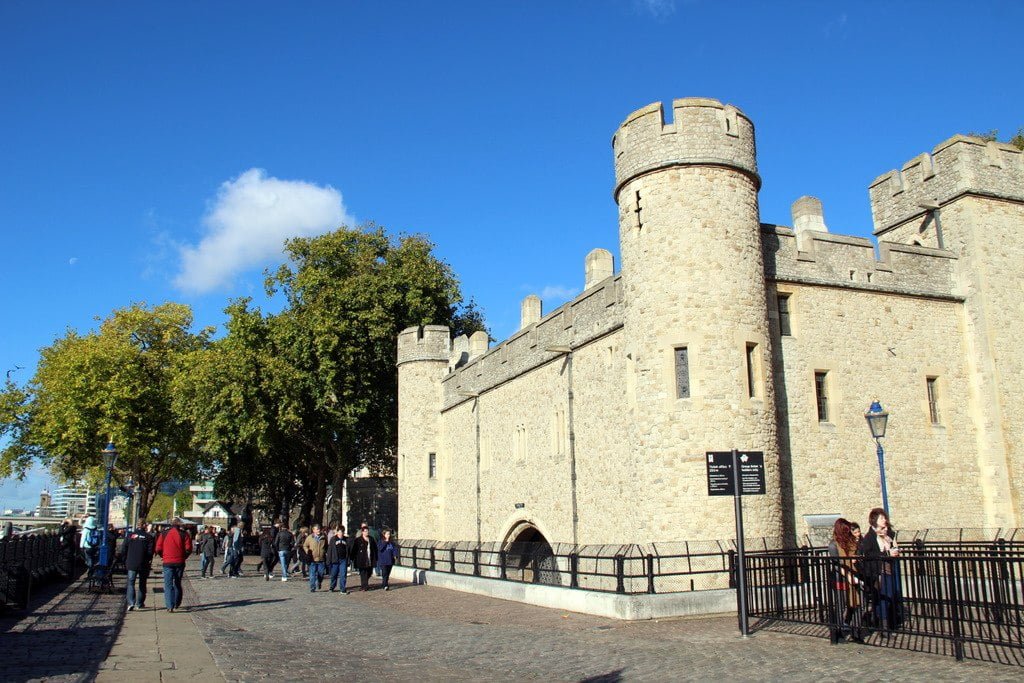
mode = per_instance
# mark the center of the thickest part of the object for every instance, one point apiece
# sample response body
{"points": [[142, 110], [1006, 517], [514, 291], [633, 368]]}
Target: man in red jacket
{"points": [[174, 546]]}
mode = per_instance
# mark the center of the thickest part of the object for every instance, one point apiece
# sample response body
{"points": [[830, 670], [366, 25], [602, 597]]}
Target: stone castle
{"points": [[591, 423]]}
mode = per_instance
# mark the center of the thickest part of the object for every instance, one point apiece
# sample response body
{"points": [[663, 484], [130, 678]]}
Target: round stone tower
{"points": [[696, 336]]}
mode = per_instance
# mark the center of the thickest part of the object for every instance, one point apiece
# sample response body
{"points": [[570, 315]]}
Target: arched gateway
{"points": [[529, 556]]}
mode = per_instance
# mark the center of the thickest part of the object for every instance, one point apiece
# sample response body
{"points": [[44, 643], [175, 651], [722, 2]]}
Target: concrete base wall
{"points": [[613, 605]]}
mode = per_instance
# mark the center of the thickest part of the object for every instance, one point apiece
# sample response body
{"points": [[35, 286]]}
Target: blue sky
{"points": [[162, 151]]}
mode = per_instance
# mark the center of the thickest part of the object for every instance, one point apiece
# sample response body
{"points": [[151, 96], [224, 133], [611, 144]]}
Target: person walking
{"points": [[174, 547], [338, 549], [90, 545], [238, 550], [315, 547], [227, 549], [207, 549], [284, 542], [387, 553], [268, 552], [300, 552], [137, 555], [364, 555]]}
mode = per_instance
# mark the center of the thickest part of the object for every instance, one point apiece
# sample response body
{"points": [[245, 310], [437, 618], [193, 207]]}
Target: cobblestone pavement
{"points": [[64, 635], [276, 631]]}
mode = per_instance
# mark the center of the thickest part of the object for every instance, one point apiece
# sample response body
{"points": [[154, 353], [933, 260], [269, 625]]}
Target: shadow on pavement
{"points": [[610, 677], [232, 603], [66, 631]]}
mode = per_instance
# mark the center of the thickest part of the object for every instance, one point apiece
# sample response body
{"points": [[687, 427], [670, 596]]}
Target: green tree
{"points": [[113, 384], [993, 135]]}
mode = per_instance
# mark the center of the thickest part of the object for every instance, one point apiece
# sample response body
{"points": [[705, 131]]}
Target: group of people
{"points": [[317, 552], [865, 581], [320, 553]]}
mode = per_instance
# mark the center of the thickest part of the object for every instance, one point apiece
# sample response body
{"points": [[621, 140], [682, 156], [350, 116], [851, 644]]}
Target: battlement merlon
{"points": [[960, 165], [703, 132], [426, 343]]}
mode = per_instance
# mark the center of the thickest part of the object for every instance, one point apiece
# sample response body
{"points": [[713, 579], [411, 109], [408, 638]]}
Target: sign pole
{"points": [[741, 555]]}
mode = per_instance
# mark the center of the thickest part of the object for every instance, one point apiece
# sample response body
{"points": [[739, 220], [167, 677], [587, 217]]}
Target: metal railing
{"points": [[631, 569], [963, 599], [28, 560]]}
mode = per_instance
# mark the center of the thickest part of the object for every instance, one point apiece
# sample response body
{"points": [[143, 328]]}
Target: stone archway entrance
{"points": [[529, 556]]}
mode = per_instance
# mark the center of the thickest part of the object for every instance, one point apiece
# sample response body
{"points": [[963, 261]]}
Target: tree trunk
{"points": [[321, 493], [337, 491]]}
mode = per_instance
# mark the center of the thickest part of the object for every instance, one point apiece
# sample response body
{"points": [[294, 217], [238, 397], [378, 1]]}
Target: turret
{"points": [[696, 333], [423, 354]]}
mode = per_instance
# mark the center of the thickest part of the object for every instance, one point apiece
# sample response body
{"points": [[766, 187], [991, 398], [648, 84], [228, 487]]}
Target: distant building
{"points": [[73, 499], [45, 508]]}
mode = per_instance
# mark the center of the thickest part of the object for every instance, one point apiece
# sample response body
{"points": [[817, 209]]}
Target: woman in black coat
{"points": [[881, 575], [364, 555]]}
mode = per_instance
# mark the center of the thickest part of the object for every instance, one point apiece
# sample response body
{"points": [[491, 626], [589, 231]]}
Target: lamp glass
{"points": [[110, 456], [878, 419]]}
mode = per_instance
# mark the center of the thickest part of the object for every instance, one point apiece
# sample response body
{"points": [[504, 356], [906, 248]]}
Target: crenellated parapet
{"points": [[960, 165], [426, 343], [825, 259], [703, 132]]}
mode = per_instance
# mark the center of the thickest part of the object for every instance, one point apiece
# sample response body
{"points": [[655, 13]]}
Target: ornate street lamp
{"points": [[878, 419], [109, 460]]}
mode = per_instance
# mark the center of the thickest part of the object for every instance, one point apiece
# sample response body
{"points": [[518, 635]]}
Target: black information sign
{"points": [[720, 474]]}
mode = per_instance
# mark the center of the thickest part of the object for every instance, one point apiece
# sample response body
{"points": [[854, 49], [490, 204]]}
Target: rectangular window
{"points": [[821, 394], [932, 384], [784, 328], [752, 370], [432, 465], [682, 372]]}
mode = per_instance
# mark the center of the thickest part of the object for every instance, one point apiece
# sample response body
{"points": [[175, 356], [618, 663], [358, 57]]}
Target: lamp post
{"points": [[878, 418], [109, 460]]}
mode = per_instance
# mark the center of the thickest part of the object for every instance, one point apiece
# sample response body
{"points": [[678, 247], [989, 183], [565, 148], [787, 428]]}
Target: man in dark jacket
{"points": [[338, 549], [137, 554], [284, 540], [207, 549], [174, 546]]}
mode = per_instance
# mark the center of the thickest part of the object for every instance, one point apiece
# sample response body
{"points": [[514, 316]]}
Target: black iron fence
{"points": [[965, 599], [27, 560], [630, 569]]}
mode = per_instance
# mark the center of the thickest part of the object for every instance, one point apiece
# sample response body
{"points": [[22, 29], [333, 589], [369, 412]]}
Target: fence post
{"points": [[954, 609], [574, 570], [433, 558], [535, 563], [650, 573], [503, 563], [732, 568], [414, 558], [451, 559], [476, 561], [620, 574]]}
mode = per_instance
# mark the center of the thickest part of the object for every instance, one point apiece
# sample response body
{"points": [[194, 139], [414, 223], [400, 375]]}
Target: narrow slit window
{"points": [[432, 465], [682, 372], [785, 329], [932, 385], [752, 370], [821, 395]]}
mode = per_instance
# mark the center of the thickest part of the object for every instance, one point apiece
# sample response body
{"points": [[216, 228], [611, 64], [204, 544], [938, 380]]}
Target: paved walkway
{"points": [[281, 631], [248, 629]]}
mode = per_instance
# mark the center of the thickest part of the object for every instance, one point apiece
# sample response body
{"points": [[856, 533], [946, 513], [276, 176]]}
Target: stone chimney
{"points": [[478, 344], [808, 216]]}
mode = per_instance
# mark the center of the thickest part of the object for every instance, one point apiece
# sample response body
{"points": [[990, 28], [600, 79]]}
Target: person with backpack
{"points": [[90, 545], [137, 554], [173, 546], [284, 542]]}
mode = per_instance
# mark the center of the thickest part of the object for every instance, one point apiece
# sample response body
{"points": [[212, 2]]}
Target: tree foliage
{"points": [[114, 383], [993, 135]]}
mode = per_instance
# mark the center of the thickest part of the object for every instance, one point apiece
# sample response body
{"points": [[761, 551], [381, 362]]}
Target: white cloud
{"points": [[558, 293], [659, 9], [73, 260], [25, 494], [248, 223]]}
